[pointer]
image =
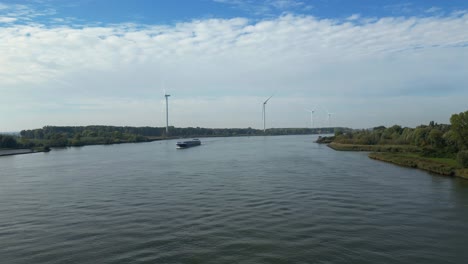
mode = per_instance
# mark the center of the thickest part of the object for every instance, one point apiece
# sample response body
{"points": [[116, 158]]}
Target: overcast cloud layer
{"points": [[367, 71]]}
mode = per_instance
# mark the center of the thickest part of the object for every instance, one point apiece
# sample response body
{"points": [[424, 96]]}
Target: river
{"points": [[280, 199]]}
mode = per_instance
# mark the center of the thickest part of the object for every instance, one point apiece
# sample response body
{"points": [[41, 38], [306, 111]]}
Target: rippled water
{"points": [[231, 200]]}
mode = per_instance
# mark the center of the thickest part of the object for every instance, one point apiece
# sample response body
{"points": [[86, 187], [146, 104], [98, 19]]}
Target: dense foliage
{"points": [[460, 129], [7, 141], [433, 140], [462, 158]]}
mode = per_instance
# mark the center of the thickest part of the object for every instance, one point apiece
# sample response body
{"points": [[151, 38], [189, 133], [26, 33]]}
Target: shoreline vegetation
{"points": [[446, 167], [436, 148], [374, 148], [42, 139]]}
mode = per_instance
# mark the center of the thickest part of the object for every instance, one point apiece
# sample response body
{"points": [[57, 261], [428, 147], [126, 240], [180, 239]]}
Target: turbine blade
{"points": [[268, 99]]}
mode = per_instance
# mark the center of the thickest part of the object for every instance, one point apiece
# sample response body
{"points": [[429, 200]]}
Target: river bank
{"points": [[374, 148], [447, 167], [9, 152], [406, 156]]}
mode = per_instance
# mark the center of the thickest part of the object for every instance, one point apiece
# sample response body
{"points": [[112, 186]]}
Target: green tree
{"points": [[8, 142], [436, 138], [462, 158], [420, 136], [460, 129]]}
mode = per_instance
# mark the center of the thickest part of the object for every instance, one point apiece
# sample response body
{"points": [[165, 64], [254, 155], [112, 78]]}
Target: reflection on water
{"points": [[231, 200]]}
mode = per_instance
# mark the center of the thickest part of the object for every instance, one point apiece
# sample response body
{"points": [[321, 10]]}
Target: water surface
{"points": [[232, 200]]}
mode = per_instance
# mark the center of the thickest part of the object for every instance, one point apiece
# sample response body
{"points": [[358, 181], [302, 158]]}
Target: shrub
{"points": [[462, 158]]}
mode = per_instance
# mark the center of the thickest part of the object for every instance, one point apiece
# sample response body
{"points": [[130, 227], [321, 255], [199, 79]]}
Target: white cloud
{"points": [[25, 13], [285, 4], [391, 70], [433, 9], [353, 17], [400, 8], [7, 19], [266, 7]]}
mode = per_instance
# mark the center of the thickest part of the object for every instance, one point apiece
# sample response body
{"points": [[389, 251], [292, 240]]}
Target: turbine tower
{"points": [[264, 114], [329, 118], [311, 117], [167, 112]]}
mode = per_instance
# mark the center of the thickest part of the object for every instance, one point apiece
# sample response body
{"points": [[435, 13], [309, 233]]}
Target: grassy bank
{"points": [[374, 148], [443, 166], [407, 156]]}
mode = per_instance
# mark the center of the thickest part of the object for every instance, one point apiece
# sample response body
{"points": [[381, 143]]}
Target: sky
{"points": [[109, 62]]}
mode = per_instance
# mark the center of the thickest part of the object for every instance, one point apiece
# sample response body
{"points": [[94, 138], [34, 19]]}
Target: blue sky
{"points": [[169, 12], [107, 62]]}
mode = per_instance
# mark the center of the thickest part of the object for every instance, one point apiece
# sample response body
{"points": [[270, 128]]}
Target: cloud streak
{"points": [[219, 70], [266, 7]]}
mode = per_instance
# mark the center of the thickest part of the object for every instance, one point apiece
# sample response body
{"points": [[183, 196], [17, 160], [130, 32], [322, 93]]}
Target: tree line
{"points": [[61, 136], [434, 140]]}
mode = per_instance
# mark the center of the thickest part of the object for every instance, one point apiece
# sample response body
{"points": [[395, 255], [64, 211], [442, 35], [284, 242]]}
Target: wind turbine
{"points": [[311, 117], [329, 118], [167, 111], [264, 113]]}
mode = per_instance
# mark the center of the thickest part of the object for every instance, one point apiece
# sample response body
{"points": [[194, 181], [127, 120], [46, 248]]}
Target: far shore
{"points": [[10, 152]]}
